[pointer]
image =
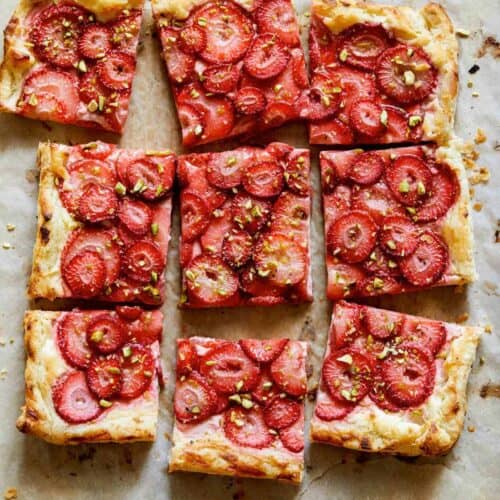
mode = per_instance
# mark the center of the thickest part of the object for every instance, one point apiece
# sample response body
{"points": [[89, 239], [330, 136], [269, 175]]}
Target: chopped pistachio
{"points": [[114, 370], [33, 101], [239, 385], [195, 410], [120, 189], [420, 188], [384, 117], [267, 385], [346, 358], [101, 103], [210, 362], [97, 336], [346, 394], [404, 187], [247, 404], [409, 77], [154, 228], [92, 106], [82, 66], [343, 55], [104, 403], [198, 130], [127, 351], [414, 120], [378, 283], [154, 276]]}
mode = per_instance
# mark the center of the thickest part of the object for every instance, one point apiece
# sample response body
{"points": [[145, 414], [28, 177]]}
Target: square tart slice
{"points": [[381, 74], [71, 62], [234, 67], [239, 408], [103, 223], [245, 235], [396, 220], [393, 383], [92, 376]]}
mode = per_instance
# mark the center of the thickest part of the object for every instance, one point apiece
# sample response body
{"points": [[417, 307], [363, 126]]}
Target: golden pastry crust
{"points": [[429, 28], [181, 9], [134, 421], [430, 430]]}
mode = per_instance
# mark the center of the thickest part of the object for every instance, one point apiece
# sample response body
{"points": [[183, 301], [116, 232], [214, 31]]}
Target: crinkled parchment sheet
{"points": [[39, 470]]}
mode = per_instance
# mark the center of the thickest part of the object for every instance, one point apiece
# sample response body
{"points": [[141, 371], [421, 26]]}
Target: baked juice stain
{"points": [[490, 389], [490, 45]]}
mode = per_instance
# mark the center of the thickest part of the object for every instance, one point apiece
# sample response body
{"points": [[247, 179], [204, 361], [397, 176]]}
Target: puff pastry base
{"points": [[124, 422]]}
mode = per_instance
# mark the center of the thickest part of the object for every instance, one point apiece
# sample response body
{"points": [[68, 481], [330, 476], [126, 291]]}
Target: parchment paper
{"points": [[39, 470]]}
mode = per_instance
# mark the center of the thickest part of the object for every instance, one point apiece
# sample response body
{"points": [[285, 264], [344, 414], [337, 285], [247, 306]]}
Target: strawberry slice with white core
{"points": [[225, 169], [105, 333], [366, 118], [220, 225], [192, 39], [129, 313], [254, 284], [194, 216], [297, 173], [380, 264], [136, 216], [180, 65], [95, 42], [117, 71], [409, 179], [267, 57], [352, 236], [104, 377], [361, 45], [330, 132], [92, 90], [187, 358], [192, 124], [442, 195], [382, 324], [366, 168], [278, 113], [342, 279], [151, 178], [229, 370], [125, 31], [97, 204], [347, 375], [288, 370], [249, 101], [237, 248], [210, 281], [220, 79], [322, 100], [292, 437], [398, 236], [85, 274], [280, 259], [266, 389], [281, 412], [247, 427], [138, 369], [376, 200], [143, 262], [97, 150], [291, 217], [278, 17], [346, 324], [249, 213], [195, 400], [44, 107], [378, 285], [73, 400], [72, 339], [228, 31], [409, 375], [427, 333], [427, 263], [378, 392], [406, 74], [263, 179], [263, 351], [337, 203], [332, 409], [147, 329]]}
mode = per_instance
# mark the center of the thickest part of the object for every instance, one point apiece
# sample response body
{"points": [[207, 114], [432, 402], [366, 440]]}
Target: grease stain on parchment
{"points": [[490, 46], [490, 389]]}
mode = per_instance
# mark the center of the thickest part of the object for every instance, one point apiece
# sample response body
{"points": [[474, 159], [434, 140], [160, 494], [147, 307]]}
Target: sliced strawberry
{"points": [[342, 279], [105, 333], [138, 369], [346, 324], [378, 393], [347, 375], [97, 204], [378, 285], [278, 17], [263, 351], [442, 195], [366, 118], [96, 150], [117, 71], [291, 217], [352, 236], [280, 259], [380, 264], [260, 287], [428, 262], [187, 358], [382, 324], [192, 39], [249, 101], [125, 31], [143, 261], [297, 172], [288, 370], [335, 167], [194, 216], [136, 216], [322, 100], [147, 329], [213, 237], [129, 313], [278, 113], [195, 400], [299, 70], [73, 400], [210, 281], [192, 124], [406, 74], [95, 41], [332, 409], [179, 64], [104, 377], [263, 179], [91, 89], [281, 413], [427, 333], [237, 248], [151, 177], [322, 47], [377, 200], [85, 274], [366, 168], [409, 179], [72, 339], [247, 427], [330, 132], [220, 79], [409, 376], [249, 213], [228, 369], [362, 44], [56, 32], [336, 203], [397, 129], [266, 389], [267, 57], [292, 437], [398, 236], [225, 169], [47, 107]]}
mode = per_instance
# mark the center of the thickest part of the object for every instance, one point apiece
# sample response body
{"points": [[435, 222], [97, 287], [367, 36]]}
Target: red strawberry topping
{"points": [[213, 237], [277, 113], [95, 42], [129, 313], [278, 17], [377, 200], [292, 437], [72, 339], [138, 369], [125, 31], [426, 333], [263, 179], [180, 65], [263, 351], [382, 324], [117, 71], [266, 389], [288, 370], [247, 427], [290, 217], [249, 101], [143, 262], [333, 410], [262, 288], [267, 57], [192, 39], [194, 216], [195, 400], [398, 236], [378, 393], [192, 124], [104, 377], [220, 79], [151, 178], [297, 172], [378, 285], [330, 132], [225, 169], [147, 329], [346, 323], [105, 333], [85, 274], [322, 100], [97, 203], [366, 117], [338, 202], [136, 216], [366, 168], [281, 412], [380, 264], [250, 213], [187, 359], [237, 248]]}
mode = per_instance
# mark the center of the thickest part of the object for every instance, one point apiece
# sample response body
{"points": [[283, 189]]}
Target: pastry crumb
{"points": [[167, 436], [477, 206], [480, 136], [10, 493], [488, 328], [475, 94], [470, 84], [480, 176], [6, 245], [482, 361], [462, 318], [471, 428], [10, 227], [3, 373], [463, 33]]}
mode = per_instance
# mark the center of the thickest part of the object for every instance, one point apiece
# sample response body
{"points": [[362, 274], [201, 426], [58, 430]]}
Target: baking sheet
{"points": [[38, 470]]}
